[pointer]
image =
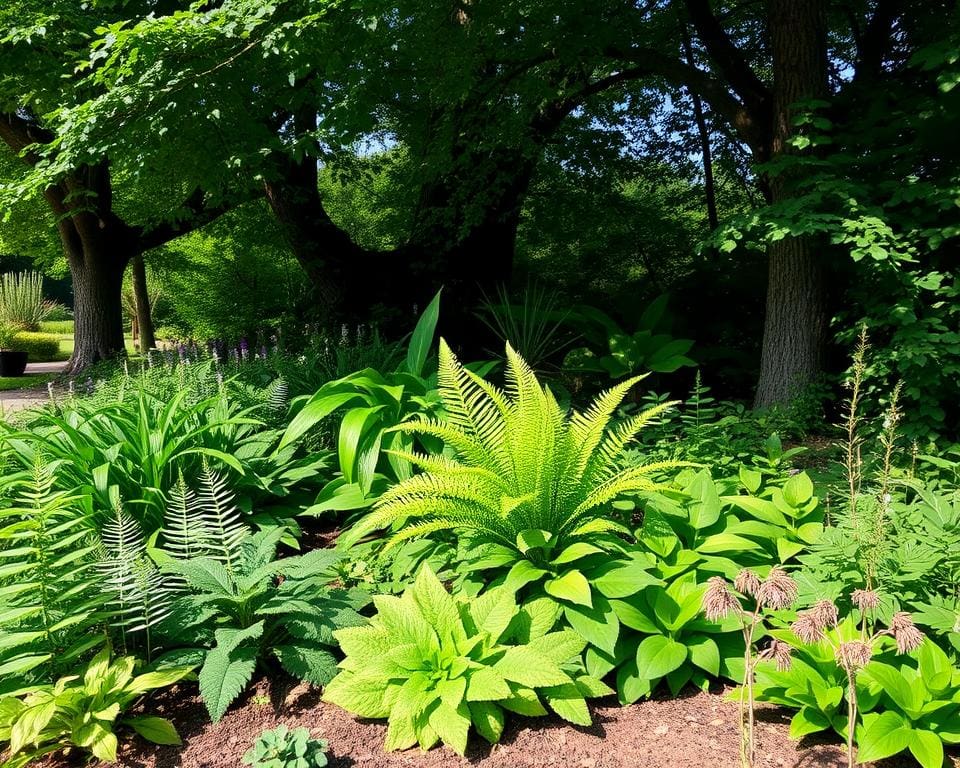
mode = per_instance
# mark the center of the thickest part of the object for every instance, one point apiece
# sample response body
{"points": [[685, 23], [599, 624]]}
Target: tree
{"points": [[107, 210], [474, 93]]}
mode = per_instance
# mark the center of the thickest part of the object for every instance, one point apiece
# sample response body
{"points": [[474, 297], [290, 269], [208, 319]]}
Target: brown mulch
{"points": [[698, 730]]}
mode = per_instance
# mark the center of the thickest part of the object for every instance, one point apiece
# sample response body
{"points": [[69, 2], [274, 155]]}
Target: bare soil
{"points": [[697, 729]]}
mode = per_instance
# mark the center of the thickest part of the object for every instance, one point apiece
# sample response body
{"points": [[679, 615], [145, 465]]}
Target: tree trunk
{"points": [[703, 133], [795, 326], [97, 312], [141, 296]]}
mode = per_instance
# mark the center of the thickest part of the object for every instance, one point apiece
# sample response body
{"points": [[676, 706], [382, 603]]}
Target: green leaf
{"points": [[572, 586], [622, 579], [598, 624], [568, 702], [452, 725], [927, 748], [894, 685], [228, 668], [487, 684], [523, 665], [306, 662], [888, 734], [798, 490], [750, 478], [437, 606], [720, 543], [158, 730], [487, 719], [576, 551], [808, 720], [422, 338], [361, 694], [524, 702], [704, 507], [533, 538], [658, 656], [560, 647], [705, 654]]}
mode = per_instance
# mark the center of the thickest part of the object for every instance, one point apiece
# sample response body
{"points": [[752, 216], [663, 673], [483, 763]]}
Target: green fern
{"points": [[205, 523], [140, 597], [51, 604], [521, 462]]}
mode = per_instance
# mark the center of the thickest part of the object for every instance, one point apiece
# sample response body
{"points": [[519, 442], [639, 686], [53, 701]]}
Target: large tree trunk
{"points": [[795, 327], [141, 298], [97, 311]]}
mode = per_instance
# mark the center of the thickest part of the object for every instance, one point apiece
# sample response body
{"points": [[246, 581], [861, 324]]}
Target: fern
{"points": [[50, 605], [521, 462], [140, 597], [205, 523]]}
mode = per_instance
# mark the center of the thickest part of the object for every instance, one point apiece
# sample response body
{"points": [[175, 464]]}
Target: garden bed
{"points": [[696, 729]]}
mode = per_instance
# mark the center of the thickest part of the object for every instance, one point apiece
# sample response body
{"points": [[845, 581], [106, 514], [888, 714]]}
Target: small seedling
{"points": [[283, 748]]}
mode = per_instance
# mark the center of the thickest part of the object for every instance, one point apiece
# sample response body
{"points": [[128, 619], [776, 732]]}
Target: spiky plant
{"points": [[50, 606], [140, 597], [204, 523], [526, 479]]}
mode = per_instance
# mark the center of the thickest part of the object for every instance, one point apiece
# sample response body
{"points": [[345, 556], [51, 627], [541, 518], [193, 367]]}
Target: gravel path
{"points": [[19, 399]]}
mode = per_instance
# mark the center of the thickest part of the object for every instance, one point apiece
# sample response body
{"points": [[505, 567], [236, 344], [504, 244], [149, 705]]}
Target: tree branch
{"points": [[200, 216], [19, 132], [729, 61]]}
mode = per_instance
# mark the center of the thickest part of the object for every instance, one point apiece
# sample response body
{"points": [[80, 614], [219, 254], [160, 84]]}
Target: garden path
{"points": [[19, 399]]}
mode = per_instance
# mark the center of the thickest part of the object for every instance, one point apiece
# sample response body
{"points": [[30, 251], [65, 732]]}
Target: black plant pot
{"points": [[12, 363]]}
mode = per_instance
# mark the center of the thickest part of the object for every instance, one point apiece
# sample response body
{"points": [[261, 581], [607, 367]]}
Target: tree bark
{"points": [[795, 326], [144, 312], [97, 311]]}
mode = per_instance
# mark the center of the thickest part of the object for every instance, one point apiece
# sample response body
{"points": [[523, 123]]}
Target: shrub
{"points": [[21, 300], [64, 326], [435, 666], [7, 335], [40, 347]]}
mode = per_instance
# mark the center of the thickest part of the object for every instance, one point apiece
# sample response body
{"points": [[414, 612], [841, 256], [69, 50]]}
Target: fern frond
{"points": [[221, 519], [603, 464]]}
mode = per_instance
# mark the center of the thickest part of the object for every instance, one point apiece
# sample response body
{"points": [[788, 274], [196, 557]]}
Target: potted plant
{"points": [[12, 362]]}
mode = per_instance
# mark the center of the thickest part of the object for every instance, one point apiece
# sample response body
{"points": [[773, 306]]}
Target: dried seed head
{"points": [[905, 632], [777, 591], [824, 612], [718, 600], [808, 628], [865, 599], [747, 582], [855, 655], [781, 653]]}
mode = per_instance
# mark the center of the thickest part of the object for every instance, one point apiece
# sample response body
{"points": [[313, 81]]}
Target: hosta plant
{"points": [[282, 748], [437, 666], [921, 708], [670, 641], [526, 487], [832, 681], [250, 606], [84, 711]]}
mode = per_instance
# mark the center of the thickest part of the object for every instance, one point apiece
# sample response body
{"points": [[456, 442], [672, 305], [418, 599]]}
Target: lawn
{"points": [[8, 383]]}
